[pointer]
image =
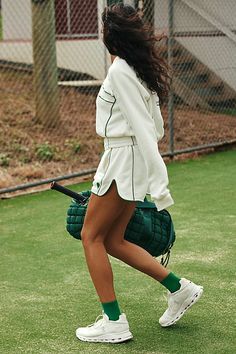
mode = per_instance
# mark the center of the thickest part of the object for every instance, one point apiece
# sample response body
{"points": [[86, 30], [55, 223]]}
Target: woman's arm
{"points": [[130, 95]]}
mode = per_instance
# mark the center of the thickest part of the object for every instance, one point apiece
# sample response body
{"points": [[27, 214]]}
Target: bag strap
{"points": [[165, 259]]}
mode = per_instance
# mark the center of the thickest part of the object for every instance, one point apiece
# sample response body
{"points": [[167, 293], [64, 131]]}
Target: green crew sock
{"points": [[171, 282], [112, 310]]}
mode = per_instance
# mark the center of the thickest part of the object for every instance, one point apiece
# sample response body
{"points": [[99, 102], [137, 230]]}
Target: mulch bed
{"points": [[73, 145]]}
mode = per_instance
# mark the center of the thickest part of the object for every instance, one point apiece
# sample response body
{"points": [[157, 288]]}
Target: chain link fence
{"points": [[53, 61]]}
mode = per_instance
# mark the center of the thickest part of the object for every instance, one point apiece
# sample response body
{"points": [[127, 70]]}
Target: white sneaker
{"points": [[106, 331], [180, 301]]}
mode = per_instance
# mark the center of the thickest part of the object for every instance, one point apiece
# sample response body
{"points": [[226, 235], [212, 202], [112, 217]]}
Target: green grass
{"points": [[229, 111], [46, 291]]}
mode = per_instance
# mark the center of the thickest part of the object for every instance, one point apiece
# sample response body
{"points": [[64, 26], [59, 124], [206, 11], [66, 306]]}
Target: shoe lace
{"points": [[167, 295], [99, 320]]}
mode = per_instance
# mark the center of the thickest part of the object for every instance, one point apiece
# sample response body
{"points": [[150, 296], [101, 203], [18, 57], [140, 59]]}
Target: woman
{"points": [[129, 119]]}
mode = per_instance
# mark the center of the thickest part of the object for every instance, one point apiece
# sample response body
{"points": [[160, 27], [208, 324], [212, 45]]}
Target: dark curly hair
{"points": [[126, 35]]}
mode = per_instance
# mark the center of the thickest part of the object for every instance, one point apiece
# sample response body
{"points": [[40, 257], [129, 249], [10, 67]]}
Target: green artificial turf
{"points": [[46, 292]]}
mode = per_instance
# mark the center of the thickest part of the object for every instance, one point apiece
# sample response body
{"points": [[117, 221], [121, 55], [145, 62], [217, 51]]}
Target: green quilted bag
{"points": [[148, 228]]}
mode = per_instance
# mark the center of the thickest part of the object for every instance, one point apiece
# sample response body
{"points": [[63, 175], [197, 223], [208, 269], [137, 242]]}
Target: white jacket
{"points": [[126, 107]]}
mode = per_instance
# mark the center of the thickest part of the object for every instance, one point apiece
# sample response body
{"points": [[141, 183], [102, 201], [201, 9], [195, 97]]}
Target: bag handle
{"points": [[146, 204]]}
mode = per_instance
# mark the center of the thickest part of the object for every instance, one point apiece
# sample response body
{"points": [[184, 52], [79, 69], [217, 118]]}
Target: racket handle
{"points": [[70, 193]]}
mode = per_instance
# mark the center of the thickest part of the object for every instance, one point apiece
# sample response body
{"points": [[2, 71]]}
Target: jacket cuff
{"points": [[164, 203]]}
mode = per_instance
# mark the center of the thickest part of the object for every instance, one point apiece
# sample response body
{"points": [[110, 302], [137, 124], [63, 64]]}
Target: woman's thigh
{"points": [[105, 211], [117, 230]]}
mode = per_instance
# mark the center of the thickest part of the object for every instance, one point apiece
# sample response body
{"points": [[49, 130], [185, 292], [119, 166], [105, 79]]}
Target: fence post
{"points": [[45, 62], [149, 11], [170, 63]]}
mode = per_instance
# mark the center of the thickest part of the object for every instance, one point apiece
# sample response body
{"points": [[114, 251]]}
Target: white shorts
{"points": [[123, 163]]}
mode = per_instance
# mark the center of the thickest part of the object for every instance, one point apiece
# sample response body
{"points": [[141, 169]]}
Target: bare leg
{"points": [[104, 226], [101, 214], [132, 254]]}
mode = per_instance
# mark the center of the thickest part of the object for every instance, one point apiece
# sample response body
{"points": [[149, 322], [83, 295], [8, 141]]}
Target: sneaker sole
{"points": [[186, 307], [111, 338]]}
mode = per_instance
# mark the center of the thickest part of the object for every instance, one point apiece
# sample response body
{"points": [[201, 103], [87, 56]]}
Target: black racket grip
{"points": [[66, 191]]}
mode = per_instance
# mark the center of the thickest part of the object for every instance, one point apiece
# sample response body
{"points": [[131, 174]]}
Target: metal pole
{"points": [[68, 16], [170, 63], [105, 50], [46, 181], [149, 9]]}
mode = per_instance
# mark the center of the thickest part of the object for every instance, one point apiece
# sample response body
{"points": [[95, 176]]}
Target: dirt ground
{"points": [[31, 150]]}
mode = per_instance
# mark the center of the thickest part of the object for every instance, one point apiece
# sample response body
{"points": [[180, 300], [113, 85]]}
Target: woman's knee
{"points": [[90, 237]]}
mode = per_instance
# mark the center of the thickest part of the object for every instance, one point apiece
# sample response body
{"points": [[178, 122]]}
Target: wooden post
{"points": [[45, 62]]}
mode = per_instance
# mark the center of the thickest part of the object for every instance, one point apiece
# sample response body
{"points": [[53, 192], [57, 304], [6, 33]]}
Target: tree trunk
{"points": [[45, 62]]}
